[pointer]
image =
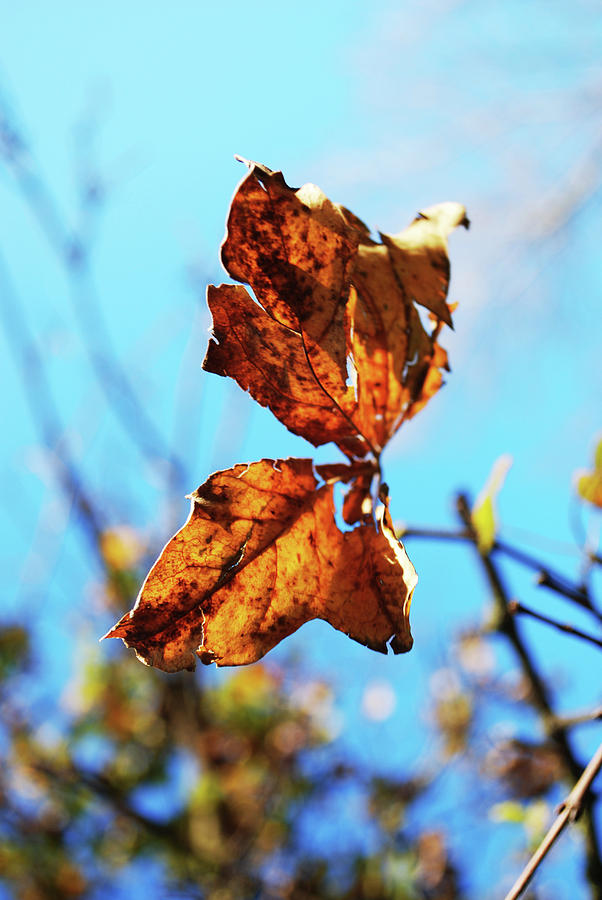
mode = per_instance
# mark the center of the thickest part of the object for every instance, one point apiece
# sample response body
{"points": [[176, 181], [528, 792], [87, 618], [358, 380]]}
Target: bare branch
{"points": [[569, 811], [546, 577], [432, 534], [72, 250], [579, 595], [46, 418], [540, 697], [515, 607], [44, 411], [578, 718]]}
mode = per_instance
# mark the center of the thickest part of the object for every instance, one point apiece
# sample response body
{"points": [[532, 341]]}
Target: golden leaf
{"points": [[260, 555], [333, 343]]}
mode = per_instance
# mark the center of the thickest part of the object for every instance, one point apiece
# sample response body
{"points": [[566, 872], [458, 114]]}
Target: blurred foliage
{"points": [[589, 483], [188, 787], [527, 769], [208, 781], [203, 787]]}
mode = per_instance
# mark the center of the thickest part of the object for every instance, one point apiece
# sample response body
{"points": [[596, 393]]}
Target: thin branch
{"points": [[546, 577], [578, 718], [569, 811], [579, 595], [46, 419], [526, 559], [44, 411], [73, 252], [515, 607], [432, 534], [539, 693]]}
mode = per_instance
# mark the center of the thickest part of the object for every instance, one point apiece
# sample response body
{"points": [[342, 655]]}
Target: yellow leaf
{"points": [[484, 518], [589, 483], [121, 548], [507, 811]]}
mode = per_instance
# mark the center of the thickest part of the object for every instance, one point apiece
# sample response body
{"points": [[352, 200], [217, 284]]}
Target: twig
{"points": [[46, 418], [560, 586], [515, 607], [569, 811], [432, 534], [73, 252], [578, 718], [539, 693], [44, 411], [521, 556], [545, 576]]}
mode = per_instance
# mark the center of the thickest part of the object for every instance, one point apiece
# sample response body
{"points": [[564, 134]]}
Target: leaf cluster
{"points": [[333, 342]]}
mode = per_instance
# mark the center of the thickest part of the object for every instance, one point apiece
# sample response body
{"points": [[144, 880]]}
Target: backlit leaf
{"points": [[333, 342], [260, 555], [331, 338]]}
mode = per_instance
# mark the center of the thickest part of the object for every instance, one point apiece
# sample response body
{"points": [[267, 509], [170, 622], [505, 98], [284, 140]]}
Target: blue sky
{"points": [[389, 107]]}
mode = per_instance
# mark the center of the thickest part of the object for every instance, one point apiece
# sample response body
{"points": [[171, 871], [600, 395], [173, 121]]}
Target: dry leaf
{"points": [[333, 342], [268, 359], [260, 555]]}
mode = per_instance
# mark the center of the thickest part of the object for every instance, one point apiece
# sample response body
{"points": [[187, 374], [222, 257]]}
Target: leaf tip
{"points": [[401, 643], [113, 631]]}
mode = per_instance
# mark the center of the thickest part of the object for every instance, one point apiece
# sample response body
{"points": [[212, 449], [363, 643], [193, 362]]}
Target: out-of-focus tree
{"points": [[202, 785], [133, 783]]}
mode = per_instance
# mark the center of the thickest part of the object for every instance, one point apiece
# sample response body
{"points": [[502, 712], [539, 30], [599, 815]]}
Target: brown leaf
{"points": [[333, 343], [268, 359], [335, 321], [260, 555], [357, 506], [419, 256]]}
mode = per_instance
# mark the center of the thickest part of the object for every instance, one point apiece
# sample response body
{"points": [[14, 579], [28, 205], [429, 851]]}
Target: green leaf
{"points": [[508, 811], [484, 518]]}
